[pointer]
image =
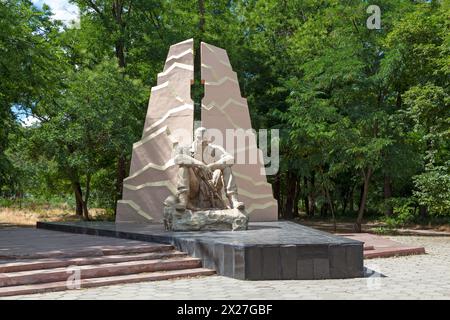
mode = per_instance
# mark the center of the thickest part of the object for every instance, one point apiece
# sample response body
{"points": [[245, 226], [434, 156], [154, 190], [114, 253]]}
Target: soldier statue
{"points": [[204, 172]]}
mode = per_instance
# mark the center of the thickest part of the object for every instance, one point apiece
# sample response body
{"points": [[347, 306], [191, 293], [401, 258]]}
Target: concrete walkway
{"points": [[410, 277]]}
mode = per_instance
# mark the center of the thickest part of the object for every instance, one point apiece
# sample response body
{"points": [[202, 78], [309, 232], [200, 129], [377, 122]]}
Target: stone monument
{"points": [[170, 180], [194, 181]]}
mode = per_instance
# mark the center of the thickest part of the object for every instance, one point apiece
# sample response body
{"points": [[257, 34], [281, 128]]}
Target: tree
{"points": [[429, 109], [27, 69], [97, 117], [362, 113]]}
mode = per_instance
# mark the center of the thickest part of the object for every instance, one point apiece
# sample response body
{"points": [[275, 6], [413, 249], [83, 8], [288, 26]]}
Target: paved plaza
{"points": [[411, 277], [37, 243]]}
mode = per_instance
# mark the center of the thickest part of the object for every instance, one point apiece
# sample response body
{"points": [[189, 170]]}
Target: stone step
{"points": [[393, 252], [146, 248], [39, 264], [95, 271], [91, 252], [381, 247], [104, 281]]}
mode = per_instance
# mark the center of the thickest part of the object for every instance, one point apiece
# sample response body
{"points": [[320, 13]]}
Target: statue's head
{"points": [[201, 136]]}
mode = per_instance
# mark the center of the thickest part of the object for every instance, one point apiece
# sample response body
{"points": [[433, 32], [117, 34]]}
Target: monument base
{"points": [[277, 250], [205, 220]]}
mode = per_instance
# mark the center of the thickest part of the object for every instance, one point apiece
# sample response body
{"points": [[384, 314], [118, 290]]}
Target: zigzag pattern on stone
{"points": [[166, 183], [168, 114], [152, 171], [177, 56], [222, 109]]}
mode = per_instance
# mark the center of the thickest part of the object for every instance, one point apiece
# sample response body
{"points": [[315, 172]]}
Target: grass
{"points": [[384, 231], [27, 216], [436, 226], [373, 224]]}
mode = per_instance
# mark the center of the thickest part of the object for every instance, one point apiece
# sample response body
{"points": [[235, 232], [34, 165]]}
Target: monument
{"points": [[193, 183], [183, 182]]}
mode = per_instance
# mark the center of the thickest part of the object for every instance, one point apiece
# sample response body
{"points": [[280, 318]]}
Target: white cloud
{"points": [[29, 121], [62, 10], [24, 116]]}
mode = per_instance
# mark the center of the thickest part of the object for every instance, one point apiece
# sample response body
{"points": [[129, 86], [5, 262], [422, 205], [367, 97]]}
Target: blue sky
{"points": [[61, 9]]}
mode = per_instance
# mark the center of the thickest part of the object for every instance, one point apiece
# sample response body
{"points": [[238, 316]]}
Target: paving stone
{"points": [[414, 277]]}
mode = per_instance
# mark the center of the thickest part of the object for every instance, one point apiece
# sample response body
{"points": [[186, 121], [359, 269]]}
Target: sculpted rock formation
{"points": [[224, 108], [169, 122], [169, 126]]}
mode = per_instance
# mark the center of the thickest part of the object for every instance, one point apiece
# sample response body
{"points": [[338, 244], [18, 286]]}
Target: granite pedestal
{"points": [[277, 250]]}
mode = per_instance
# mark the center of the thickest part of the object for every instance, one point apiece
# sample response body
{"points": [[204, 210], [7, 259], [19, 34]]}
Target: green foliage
{"points": [[96, 120], [405, 212], [26, 53], [358, 109], [36, 203], [433, 189], [430, 112]]}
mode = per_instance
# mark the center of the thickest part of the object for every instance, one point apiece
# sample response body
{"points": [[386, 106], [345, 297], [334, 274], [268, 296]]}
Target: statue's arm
{"points": [[225, 160], [186, 160]]}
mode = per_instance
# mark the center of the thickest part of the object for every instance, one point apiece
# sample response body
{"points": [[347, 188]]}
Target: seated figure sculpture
{"points": [[204, 173]]}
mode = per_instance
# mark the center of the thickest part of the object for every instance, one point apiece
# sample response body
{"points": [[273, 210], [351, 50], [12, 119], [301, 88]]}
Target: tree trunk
{"points": [[276, 191], [290, 195], [120, 53], [197, 88], [85, 211], [86, 198], [305, 198], [324, 210], [19, 195], [120, 176], [398, 102], [297, 198], [347, 199], [311, 197], [330, 203], [362, 205], [423, 211], [387, 190], [201, 13], [344, 203], [311, 204], [76, 186], [352, 200], [361, 194], [117, 10]]}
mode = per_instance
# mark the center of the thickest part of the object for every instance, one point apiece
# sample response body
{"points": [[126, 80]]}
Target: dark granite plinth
{"points": [[267, 251]]}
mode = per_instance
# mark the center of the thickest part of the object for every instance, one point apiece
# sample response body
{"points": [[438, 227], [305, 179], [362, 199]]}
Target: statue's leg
{"points": [[183, 187], [194, 185], [228, 179], [183, 179], [217, 180], [231, 188]]}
